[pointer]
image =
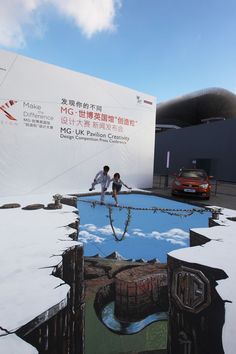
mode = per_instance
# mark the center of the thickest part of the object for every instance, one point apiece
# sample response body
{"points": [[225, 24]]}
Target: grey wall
{"points": [[213, 145]]}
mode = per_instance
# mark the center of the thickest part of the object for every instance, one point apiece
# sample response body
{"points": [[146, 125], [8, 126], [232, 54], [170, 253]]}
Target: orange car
{"points": [[192, 182]]}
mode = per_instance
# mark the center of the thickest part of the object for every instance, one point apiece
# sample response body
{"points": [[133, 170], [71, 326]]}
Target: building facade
{"points": [[206, 134]]}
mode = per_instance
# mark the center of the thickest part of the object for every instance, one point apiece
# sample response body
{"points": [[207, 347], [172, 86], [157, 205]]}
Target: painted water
{"points": [[150, 233]]}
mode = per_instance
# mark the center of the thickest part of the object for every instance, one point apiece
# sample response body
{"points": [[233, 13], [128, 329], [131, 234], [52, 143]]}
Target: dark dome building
{"points": [[193, 142], [197, 107]]}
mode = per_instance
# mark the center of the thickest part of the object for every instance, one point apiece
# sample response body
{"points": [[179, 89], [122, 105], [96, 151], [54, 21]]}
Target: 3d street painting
{"points": [[125, 252]]}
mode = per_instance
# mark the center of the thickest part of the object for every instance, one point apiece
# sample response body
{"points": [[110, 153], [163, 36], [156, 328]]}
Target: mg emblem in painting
{"points": [[191, 289]]}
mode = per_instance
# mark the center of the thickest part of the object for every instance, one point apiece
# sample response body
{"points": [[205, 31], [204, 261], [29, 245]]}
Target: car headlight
{"points": [[205, 185], [177, 183]]}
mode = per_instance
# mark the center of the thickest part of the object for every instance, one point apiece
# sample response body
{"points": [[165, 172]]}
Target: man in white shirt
{"points": [[103, 178]]}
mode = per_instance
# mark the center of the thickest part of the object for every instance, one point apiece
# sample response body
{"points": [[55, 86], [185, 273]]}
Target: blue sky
{"points": [[166, 48]]}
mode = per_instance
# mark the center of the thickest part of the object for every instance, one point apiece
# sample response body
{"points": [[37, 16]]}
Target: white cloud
{"points": [[89, 227], [176, 233], [85, 236], [90, 16], [174, 236], [19, 18], [138, 233], [155, 234], [173, 233], [14, 15], [105, 230], [175, 242]]}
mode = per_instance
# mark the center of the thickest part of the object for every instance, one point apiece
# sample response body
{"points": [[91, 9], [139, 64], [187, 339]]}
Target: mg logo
{"points": [[191, 289]]}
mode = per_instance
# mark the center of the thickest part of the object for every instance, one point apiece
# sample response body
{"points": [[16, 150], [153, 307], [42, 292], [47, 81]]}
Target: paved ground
{"points": [[223, 194]]}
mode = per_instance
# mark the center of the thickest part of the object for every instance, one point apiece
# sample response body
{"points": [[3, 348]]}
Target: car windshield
{"points": [[193, 174]]}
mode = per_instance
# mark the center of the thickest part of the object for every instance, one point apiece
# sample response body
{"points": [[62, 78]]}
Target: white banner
{"points": [[58, 128]]}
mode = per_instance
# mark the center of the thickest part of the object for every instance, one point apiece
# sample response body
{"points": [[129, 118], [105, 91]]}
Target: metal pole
{"points": [[167, 169]]}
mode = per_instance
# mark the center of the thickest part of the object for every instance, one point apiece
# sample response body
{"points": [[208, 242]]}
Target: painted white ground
{"points": [[31, 244], [219, 253]]}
